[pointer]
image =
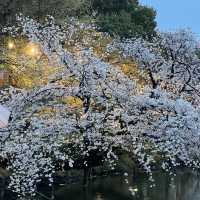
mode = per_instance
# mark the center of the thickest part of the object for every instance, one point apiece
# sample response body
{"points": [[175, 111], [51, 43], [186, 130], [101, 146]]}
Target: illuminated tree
{"points": [[111, 115]]}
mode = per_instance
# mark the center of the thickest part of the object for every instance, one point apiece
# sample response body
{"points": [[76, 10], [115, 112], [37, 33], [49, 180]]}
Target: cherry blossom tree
{"points": [[44, 128], [170, 60]]}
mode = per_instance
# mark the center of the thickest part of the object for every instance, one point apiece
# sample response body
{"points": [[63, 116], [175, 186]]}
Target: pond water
{"points": [[185, 186]]}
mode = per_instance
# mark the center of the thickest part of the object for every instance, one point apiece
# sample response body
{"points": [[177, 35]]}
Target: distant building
{"points": [[4, 78]]}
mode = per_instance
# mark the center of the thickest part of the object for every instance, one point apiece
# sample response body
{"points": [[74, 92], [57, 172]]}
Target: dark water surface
{"points": [[184, 186]]}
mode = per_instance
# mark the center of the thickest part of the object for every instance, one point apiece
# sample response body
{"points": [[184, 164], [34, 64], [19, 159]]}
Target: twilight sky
{"points": [[174, 14]]}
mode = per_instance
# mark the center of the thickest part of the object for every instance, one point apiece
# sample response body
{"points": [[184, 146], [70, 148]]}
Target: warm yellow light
{"points": [[32, 50], [11, 45]]}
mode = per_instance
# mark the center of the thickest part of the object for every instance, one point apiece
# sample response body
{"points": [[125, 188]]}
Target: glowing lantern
{"points": [[4, 116], [11, 45], [32, 50]]}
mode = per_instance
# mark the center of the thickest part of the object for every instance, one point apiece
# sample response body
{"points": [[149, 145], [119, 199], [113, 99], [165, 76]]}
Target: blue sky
{"points": [[174, 14]]}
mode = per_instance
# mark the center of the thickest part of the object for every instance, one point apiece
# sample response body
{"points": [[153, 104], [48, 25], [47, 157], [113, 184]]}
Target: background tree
{"points": [[38, 9], [125, 18]]}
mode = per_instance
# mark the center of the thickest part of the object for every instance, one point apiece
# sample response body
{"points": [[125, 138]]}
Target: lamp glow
{"points": [[11, 45], [32, 50]]}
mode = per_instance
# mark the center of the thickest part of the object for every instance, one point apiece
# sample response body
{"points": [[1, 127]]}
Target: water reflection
{"points": [[99, 196], [185, 186]]}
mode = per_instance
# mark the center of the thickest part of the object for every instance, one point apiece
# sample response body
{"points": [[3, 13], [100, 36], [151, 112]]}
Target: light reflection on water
{"points": [[99, 196], [185, 186]]}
